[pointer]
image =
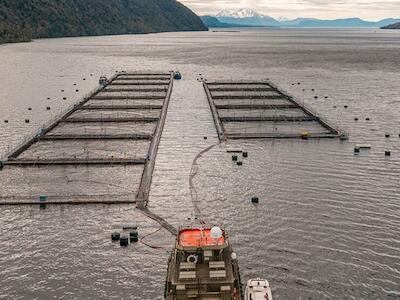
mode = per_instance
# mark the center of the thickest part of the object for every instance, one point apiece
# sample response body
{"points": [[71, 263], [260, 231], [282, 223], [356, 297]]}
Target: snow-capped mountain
{"points": [[245, 16], [238, 13], [249, 17]]}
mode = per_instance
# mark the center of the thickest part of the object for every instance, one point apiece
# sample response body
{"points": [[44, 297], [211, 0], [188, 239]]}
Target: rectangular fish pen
{"points": [[259, 109], [118, 124]]}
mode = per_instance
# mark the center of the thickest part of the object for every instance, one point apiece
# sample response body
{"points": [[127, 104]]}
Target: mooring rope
{"points": [[193, 192]]}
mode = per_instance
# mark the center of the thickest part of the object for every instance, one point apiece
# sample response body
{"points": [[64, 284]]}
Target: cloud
{"points": [[329, 9]]}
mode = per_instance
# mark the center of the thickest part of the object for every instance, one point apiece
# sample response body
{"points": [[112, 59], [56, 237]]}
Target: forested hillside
{"points": [[60, 18]]}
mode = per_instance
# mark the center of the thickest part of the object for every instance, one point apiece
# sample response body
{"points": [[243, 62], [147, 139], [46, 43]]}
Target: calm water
{"points": [[328, 222]]}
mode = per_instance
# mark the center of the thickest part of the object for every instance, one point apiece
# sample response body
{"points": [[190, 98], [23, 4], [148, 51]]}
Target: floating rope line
{"points": [[193, 192]]}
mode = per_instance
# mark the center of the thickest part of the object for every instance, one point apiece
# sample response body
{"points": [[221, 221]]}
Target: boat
{"points": [[257, 289], [103, 80], [203, 266], [177, 75]]}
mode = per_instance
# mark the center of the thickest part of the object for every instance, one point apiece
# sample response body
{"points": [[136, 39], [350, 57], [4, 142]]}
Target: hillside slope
{"points": [[392, 26], [60, 18]]}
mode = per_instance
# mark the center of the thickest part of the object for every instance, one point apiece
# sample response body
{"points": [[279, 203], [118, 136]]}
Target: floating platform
{"points": [[259, 109], [73, 138]]}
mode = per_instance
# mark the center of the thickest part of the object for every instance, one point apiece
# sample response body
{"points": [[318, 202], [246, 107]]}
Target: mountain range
{"points": [[249, 17]]}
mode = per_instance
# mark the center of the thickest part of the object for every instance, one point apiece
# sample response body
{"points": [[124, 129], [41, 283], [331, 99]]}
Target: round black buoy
{"points": [[326, 97], [245, 154], [5, 121], [355, 119], [388, 153], [115, 236], [234, 157], [315, 97], [84, 78], [345, 106], [124, 241], [133, 236], [367, 119], [356, 150], [48, 107], [298, 83], [387, 135], [254, 200], [48, 98], [64, 98], [313, 90], [27, 121], [205, 137], [29, 108], [76, 90], [62, 91], [239, 163], [74, 84]]}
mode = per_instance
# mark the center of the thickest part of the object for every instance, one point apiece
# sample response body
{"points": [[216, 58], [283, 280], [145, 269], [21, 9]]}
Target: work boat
{"points": [[258, 289], [203, 266]]}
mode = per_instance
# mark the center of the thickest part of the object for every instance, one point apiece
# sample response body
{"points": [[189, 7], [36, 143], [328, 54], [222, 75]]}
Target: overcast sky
{"points": [[327, 9]]}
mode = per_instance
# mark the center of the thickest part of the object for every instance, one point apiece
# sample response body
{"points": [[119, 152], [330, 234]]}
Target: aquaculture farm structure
{"points": [[129, 108], [259, 109]]}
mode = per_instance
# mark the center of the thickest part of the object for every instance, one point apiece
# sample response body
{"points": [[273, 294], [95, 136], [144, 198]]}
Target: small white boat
{"points": [[258, 289]]}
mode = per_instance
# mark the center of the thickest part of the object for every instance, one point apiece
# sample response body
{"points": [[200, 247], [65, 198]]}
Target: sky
{"points": [[323, 9]]}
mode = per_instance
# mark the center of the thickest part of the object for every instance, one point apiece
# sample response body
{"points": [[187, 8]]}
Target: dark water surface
{"points": [[328, 222]]}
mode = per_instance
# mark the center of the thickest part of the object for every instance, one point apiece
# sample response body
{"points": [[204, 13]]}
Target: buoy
{"points": [[48, 107], [355, 119], [74, 84], [239, 163], [356, 150], [124, 241], [43, 198], [48, 98], [5, 121], [115, 236], [298, 83], [64, 98], [133, 236], [315, 97], [254, 200], [234, 157], [345, 106], [62, 91], [387, 135], [29, 108], [205, 137], [326, 97], [305, 135], [76, 90], [388, 153], [26, 120], [84, 78], [313, 90], [367, 119]]}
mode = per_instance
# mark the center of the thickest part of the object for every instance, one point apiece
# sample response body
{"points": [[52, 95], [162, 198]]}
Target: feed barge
{"points": [[203, 266]]}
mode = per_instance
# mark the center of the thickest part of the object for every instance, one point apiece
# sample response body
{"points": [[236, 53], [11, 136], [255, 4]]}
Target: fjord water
{"points": [[328, 222]]}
